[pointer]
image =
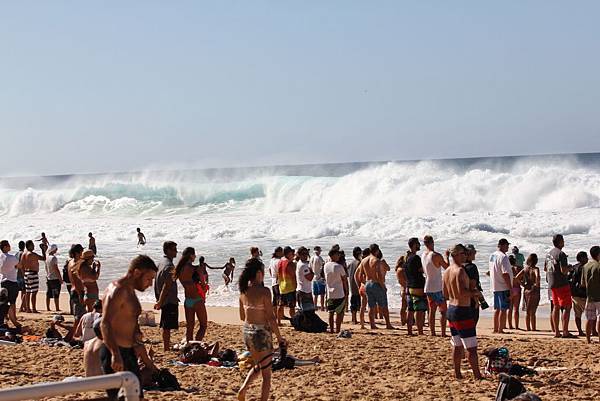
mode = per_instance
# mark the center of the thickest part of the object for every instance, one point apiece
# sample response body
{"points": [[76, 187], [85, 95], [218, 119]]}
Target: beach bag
{"points": [[309, 322], [508, 388], [166, 380]]}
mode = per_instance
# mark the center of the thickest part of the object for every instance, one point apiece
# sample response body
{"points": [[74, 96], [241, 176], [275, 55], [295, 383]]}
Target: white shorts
{"points": [[592, 310]]}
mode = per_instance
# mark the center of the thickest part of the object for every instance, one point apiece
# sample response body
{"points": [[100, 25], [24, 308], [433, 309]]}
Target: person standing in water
{"points": [[433, 263], [30, 263], [141, 237], [92, 244], [459, 291], [260, 324], [195, 288]]}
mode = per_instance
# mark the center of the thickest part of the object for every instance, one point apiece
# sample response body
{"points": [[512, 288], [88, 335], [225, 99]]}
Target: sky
{"points": [[119, 86]]}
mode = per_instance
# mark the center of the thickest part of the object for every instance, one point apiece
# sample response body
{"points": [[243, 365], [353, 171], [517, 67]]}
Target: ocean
{"points": [[223, 212]]}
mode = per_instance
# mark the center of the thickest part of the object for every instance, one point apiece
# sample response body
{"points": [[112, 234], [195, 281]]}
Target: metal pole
{"points": [[126, 381]]}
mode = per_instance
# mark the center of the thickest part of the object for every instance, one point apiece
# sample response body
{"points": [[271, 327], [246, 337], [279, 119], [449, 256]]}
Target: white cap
{"points": [[53, 248]]}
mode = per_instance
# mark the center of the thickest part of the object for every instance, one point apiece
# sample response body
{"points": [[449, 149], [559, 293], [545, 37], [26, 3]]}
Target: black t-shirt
{"points": [[473, 273], [574, 277], [3, 312], [414, 272]]}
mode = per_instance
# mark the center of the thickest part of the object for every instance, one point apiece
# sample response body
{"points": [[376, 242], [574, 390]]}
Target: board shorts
{"points": [[376, 295], [436, 299], [305, 301], [462, 326], [416, 302], [130, 364], [32, 281], [288, 299], [354, 303], [53, 289], [592, 310], [257, 337], [336, 305], [578, 306], [77, 305], [13, 291], [276, 294], [561, 296], [169, 317], [318, 288], [502, 300]]}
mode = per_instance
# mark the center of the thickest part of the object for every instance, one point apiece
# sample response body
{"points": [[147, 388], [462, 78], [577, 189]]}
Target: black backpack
{"points": [[508, 388], [166, 380], [309, 322]]}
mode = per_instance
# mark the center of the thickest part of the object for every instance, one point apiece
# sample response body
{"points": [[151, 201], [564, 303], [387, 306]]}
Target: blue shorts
{"points": [[318, 288], [502, 300], [376, 295]]}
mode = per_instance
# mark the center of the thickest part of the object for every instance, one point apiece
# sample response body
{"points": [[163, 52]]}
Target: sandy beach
{"points": [[373, 364]]}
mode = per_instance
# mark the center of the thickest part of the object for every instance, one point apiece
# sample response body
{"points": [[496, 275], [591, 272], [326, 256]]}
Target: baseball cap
{"points": [[503, 241], [53, 248]]}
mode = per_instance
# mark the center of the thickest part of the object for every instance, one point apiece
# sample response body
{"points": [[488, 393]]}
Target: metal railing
{"points": [[126, 381]]}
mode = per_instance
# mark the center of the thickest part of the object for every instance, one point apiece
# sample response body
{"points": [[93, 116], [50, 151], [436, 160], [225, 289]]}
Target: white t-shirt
{"points": [[273, 270], [316, 264], [334, 277], [52, 261], [433, 274], [87, 325], [499, 264], [8, 264], [304, 285]]}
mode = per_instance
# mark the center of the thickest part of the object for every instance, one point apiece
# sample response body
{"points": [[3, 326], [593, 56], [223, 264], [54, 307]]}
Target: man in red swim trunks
{"points": [[558, 269]]}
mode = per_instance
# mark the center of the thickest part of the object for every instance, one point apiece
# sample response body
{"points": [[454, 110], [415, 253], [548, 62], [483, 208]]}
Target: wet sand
{"points": [[373, 364]]}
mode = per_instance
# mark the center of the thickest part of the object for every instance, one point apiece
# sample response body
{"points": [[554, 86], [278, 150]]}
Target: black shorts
{"points": [[53, 289], [355, 303], [169, 316], [13, 291], [288, 299], [276, 294], [130, 364]]}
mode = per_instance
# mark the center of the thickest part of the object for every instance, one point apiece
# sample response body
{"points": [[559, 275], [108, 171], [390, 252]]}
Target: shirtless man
{"points": [[91, 352], [371, 272], [92, 244], [459, 290], [120, 329], [433, 263], [30, 264], [141, 237]]}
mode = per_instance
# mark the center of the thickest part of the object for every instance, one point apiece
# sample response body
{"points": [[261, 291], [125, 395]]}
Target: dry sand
{"points": [[372, 365]]}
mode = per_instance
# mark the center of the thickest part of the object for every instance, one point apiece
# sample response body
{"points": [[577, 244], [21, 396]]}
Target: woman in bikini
{"points": [[259, 325], [531, 295], [515, 292], [401, 277], [359, 277], [195, 287], [89, 272]]}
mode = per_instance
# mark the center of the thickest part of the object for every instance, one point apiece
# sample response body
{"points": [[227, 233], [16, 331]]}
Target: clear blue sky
{"points": [[109, 86]]}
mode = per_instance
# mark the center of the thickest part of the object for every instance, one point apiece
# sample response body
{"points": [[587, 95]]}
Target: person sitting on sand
{"points": [[578, 294], [590, 280], [89, 272], [92, 243], [558, 268], [459, 290], [165, 290], [121, 310], [415, 281], [501, 282], [352, 283], [259, 326], [433, 263], [141, 237], [531, 294], [84, 330], [91, 351], [53, 332], [304, 276], [53, 279], [286, 274], [337, 290], [5, 313], [30, 264], [318, 285], [195, 288]]}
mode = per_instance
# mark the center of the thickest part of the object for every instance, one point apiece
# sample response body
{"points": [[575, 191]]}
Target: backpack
{"points": [[508, 388], [166, 380], [309, 322]]}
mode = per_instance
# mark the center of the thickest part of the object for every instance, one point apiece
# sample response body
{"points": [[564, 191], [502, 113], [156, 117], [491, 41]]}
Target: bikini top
{"points": [[254, 307]]}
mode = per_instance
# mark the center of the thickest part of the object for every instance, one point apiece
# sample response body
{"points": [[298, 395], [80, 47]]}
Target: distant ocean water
{"points": [[222, 212]]}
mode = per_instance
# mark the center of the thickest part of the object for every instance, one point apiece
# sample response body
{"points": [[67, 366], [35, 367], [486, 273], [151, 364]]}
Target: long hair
{"points": [[532, 260], [184, 260], [253, 266]]}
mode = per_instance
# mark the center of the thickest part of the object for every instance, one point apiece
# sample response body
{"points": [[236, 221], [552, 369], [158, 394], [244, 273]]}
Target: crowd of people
{"points": [[432, 283]]}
